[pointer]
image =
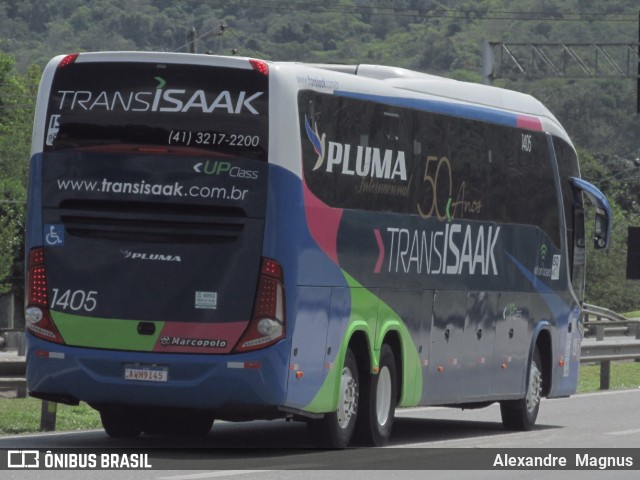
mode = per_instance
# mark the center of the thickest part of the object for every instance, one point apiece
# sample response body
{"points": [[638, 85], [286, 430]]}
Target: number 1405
{"points": [[74, 300]]}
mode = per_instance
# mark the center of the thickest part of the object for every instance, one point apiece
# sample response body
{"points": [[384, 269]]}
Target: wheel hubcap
{"points": [[348, 403], [383, 396], [535, 387]]}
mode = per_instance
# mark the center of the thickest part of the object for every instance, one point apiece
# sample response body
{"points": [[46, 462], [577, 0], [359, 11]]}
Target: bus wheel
{"points": [[522, 414], [377, 408], [121, 423], [335, 429]]}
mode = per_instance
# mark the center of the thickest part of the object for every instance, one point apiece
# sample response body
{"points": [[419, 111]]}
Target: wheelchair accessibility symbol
{"points": [[54, 236]]}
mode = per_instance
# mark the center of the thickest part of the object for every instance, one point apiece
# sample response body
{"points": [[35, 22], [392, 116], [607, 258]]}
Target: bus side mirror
{"points": [[600, 238], [602, 233]]}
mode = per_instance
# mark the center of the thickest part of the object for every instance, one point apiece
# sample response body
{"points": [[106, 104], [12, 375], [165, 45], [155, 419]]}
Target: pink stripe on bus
{"points": [[323, 222], [529, 123]]}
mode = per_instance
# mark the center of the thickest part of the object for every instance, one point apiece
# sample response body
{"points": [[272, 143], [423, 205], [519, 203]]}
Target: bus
{"points": [[226, 238]]}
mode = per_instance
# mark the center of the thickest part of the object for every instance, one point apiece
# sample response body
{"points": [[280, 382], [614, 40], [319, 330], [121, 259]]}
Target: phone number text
{"points": [[187, 137]]}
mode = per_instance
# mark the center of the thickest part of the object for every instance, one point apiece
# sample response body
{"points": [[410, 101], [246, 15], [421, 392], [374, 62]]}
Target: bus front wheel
{"points": [[521, 414], [335, 429]]}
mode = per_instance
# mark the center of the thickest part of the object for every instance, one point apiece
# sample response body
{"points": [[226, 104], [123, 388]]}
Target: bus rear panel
{"points": [[150, 189]]}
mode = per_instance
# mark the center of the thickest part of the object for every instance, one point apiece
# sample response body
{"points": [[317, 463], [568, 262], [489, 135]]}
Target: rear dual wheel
{"points": [[366, 406], [379, 403], [335, 429]]}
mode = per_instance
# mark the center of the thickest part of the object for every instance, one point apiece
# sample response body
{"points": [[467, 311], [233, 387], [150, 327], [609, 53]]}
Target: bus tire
{"points": [[521, 414], [378, 402], [336, 429], [121, 423]]}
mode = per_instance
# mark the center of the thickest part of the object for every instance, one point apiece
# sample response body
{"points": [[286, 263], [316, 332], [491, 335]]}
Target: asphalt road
{"points": [[422, 437]]}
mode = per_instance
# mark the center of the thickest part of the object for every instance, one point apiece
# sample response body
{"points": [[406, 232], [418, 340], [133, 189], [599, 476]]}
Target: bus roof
{"points": [[448, 89], [396, 81]]}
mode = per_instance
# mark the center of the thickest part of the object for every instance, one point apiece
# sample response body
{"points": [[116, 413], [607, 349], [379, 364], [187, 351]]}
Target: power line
{"points": [[217, 32], [199, 37], [255, 53], [427, 13]]}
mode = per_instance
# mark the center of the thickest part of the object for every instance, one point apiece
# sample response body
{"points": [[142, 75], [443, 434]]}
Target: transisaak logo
{"points": [[160, 99]]}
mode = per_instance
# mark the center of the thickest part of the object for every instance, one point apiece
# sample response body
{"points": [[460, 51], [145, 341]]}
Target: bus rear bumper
{"points": [[224, 383]]}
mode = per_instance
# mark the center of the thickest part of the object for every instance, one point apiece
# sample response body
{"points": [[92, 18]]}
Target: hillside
{"points": [[436, 37], [439, 37]]}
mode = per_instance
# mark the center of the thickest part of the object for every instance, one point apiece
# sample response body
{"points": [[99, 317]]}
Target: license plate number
{"points": [[146, 373]]}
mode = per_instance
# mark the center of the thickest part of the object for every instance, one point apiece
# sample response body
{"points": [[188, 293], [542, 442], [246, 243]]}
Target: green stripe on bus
{"points": [[81, 331], [365, 309]]}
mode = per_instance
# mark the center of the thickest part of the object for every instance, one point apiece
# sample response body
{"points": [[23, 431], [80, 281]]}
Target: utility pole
{"points": [[192, 37], [638, 86], [191, 40]]}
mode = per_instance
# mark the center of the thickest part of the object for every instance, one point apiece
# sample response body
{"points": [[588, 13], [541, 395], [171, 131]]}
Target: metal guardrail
{"points": [[608, 337], [12, 368], [12, 376], [609, 350], [600, 322]]}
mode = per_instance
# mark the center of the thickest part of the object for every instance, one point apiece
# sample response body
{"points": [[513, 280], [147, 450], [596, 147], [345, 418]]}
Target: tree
{"points": [[606, 282], [17, 95]]}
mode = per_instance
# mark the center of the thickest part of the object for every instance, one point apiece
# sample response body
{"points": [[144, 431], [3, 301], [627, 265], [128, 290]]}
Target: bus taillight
{"points": [[37, 315], [267, 324], [260, 66], [68, 60]]}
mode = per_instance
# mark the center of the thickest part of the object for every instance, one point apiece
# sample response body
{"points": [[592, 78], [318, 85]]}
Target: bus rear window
{"points": [[217, 109]]}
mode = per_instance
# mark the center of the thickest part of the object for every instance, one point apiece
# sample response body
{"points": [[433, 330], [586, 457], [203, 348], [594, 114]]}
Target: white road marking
{"points": [[221, 473], [625, 432]]}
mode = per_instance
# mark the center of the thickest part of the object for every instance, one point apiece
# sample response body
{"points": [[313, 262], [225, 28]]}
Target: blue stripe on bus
{"points": [[555, 302], [287, 237], [472, 112], [317, 294]]}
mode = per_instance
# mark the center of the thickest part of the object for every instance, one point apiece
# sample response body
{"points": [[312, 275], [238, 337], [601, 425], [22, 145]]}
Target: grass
{"points": [[624, 375], [22, 415]]}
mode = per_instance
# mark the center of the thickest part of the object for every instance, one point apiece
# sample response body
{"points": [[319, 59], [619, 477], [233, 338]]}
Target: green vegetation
{"points": [[443, 38], [17, 97], [624, 375], [22, 415]]}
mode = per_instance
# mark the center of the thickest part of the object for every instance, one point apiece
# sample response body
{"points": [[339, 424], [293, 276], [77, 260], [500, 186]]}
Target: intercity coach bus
{"points": [[228, 238]]}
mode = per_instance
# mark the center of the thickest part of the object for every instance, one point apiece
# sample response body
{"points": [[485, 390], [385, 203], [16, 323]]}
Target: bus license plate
{"points": [[146, 373]]}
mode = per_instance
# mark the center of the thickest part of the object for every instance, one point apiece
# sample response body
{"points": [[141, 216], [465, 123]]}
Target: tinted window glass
{"points": [[211, 108], [363, 155]]}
